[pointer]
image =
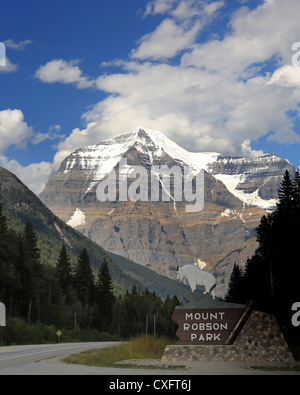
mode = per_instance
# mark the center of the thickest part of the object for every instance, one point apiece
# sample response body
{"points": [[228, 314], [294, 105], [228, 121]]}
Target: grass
{"points": [[142, 347]]}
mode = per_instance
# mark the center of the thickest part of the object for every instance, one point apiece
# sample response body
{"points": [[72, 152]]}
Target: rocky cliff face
{"points": [[162, 234]]}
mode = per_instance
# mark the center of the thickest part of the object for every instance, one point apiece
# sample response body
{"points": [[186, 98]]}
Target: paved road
{"points": [[46, 360]]}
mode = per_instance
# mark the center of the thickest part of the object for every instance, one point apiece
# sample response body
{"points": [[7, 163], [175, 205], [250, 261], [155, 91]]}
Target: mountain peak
{"points": [[141, 135]]}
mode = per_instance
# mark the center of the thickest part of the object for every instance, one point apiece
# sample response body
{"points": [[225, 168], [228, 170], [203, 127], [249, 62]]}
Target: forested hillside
{"points": [[53, 275], [21, 206]]}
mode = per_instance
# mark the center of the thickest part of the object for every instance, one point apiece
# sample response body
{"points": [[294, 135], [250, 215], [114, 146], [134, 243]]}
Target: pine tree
{"points": [[296, 192], [285, 193], [32, 251], [271, 276], [63, 269], [105, 296], [32, 262], [84, 280], [235, 285]]}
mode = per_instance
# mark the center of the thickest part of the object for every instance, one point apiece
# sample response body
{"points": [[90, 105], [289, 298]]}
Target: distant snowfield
{"points": [[78, 219], [252, 199]]}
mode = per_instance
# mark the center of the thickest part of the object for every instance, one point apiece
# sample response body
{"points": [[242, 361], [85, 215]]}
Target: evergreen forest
{"points": [[74, 298], [271, 276]]}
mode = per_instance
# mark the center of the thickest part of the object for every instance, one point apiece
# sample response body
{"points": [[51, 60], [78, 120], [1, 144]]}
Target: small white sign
{"points": [[2, 315]]}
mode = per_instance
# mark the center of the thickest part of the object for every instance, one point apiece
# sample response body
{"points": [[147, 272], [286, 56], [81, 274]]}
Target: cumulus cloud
{"points": [[7, 66], [218, 94], [59, 70], [167, 40], [34, 176], [13, 129]]}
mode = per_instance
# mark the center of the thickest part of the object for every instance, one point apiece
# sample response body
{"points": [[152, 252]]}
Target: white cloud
{"points": [[34, 176], [13, 129], [218, 97], [8, 67], [52, 134], [166, 41], [159, 7], [59, 70], [178, 31], [286, 76], [183, 9], [17, 46]]}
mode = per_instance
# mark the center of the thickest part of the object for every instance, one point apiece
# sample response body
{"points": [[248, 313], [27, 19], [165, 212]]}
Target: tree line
{"points": [[73, 296], [271, 276]]}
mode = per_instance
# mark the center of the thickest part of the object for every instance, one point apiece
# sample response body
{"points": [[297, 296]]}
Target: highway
{"points": [[45, 359]]}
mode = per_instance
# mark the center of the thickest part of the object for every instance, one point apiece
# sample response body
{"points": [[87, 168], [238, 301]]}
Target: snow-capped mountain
{"points": [[162, 234]]}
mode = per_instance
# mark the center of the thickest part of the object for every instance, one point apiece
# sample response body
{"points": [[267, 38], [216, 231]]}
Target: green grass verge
{"points": [[142, 347]]}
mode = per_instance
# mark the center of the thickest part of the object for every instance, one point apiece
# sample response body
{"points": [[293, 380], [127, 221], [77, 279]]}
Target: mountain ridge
{"points": [[162, 235]]}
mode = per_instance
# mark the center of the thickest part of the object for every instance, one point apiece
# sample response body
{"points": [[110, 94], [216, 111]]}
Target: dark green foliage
{"points": [[53, 275], [64, 275], [271, 276], [235, 284], [21, 206], [137, 313], [63, 269], [105, 297], [84, 280]]}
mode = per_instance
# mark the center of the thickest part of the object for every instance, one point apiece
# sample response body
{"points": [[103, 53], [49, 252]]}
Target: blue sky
{"points": [[212, 75]]}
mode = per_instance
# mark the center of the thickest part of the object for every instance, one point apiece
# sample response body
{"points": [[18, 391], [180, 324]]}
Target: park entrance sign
{"points": [[203, 320], [210, 325], [210, 329]]}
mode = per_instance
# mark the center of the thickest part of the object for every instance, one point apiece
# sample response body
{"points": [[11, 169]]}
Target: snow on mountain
{"points": [[253, 199], [78, 219], [106, 155], [161, 234], [235, 173]]}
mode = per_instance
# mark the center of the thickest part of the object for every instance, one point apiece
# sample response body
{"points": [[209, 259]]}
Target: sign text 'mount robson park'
{"points": [[215, 326]]}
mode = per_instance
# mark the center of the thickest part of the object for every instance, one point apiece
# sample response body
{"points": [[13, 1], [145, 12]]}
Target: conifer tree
{"points": [[285, 193], [84, 280], [63, 269], [272, 275], [296, 192], [63, 272], [105, 295], [32, 262], [235, 289]]}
